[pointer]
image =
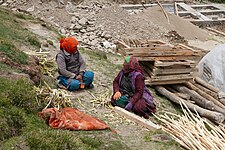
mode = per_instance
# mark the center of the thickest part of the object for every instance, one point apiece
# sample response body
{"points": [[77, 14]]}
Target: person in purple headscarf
{"points": [[130, 91]]}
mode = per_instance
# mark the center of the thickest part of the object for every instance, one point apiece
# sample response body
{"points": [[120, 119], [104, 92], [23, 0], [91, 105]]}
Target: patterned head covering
{"points": [[130, 64], [69, 44]]}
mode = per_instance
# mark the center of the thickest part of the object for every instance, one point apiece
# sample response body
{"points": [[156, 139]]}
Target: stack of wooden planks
{"points": [[163, 63]]}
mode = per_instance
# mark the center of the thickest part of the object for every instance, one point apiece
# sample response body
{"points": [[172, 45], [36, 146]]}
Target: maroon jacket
{"points": [[139, 87]]}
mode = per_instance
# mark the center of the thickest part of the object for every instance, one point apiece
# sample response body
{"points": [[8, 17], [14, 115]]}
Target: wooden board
{"points": [[160, 54], [153, 48], [148, 82], [158, 71], [172, 77], [172, 58], [144, 122], [171, 71], [174, 63]]}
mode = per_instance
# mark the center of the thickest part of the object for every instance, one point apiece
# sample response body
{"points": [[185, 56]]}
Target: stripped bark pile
{"points": [[163, 63], [198, 96]]}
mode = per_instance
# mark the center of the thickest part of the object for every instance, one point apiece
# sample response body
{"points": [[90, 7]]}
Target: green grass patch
{"points": [[24, 16], [18, 93], [4, 67], [50, 42], [53, 139], [12, 122], [94, 54], [12, 53], [12, 31], [33, 40], [216, 1], [162, 139]]}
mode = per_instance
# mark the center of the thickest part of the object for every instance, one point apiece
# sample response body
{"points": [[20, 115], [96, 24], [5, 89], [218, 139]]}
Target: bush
{"points": [[12, 122], [34, 41], [18, 93]]}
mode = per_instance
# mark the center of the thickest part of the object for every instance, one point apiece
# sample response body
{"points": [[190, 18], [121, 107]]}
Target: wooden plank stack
{"points": [[163, 63]]}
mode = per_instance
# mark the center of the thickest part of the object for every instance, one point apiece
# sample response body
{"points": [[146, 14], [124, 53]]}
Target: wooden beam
{"points": [[204, 94], [199, 100], [215, 31], [194, 12], [211, 115], [205, 89], [139, 120], [207, 85], [122, 44]]}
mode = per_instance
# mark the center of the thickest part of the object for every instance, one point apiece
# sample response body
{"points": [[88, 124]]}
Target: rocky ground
{"points": [[98, 25]]}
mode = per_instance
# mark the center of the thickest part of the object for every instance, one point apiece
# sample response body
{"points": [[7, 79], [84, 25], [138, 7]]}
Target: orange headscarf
{"points": [[69, 44]]}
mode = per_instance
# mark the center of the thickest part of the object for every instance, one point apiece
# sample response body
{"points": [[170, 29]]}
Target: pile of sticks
{"points": [[57, 98], [192, 131], [198, 96], [163, 63]]}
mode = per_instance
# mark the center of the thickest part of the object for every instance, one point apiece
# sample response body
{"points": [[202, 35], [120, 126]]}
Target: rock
{"points": [[107, 36], [94, 42], [1, 2], [51, 18], [83, 31], [74, 19], [72, 26], [9, 1], [84, 37], [107, 45], [90, 22], [5, 4], [92, 37], [56, 24], [103, 34], [72, 33], [91, 29], [62, 2], [31, 9], [83, 21], [63, 31], [78, 27], [70, 8], [14, 9]]}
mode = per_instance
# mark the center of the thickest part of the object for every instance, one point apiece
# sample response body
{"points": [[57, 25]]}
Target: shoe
{"points": [[59, 85], [90, 86]]}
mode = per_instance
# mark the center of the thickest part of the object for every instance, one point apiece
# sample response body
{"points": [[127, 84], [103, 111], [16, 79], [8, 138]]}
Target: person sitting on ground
{"points": [[71, 66], [130, 91]]}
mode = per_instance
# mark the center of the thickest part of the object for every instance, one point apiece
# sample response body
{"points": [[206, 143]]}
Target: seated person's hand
{"points": [[129, 106], [117, 95], [79, 77]]}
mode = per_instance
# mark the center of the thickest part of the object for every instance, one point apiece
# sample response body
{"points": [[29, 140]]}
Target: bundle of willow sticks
{"points": [[192, 131]]}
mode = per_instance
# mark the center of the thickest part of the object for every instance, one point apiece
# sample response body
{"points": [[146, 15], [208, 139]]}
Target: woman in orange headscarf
{"points": [[71, 66]]}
